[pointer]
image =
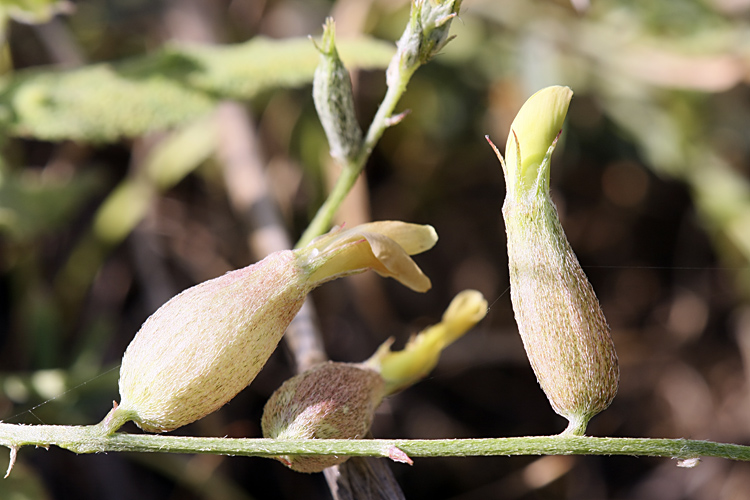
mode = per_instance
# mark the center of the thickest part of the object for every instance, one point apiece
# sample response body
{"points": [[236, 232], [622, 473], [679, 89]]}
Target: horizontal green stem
{"points": [[91, 439]]}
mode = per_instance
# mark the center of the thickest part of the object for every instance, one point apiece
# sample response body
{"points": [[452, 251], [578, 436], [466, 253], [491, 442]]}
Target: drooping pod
{"points": [[338, 400], [206, 344], [561, 323]]}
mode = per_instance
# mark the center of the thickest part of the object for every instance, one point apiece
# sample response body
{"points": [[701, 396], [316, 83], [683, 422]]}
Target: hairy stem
{"points": [[351, 169], [91, 439]]}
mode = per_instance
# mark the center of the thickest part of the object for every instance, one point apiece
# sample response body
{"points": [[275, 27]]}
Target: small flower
{"points": [[206, 344], [338, 400], [532, 137], [562, 326]]}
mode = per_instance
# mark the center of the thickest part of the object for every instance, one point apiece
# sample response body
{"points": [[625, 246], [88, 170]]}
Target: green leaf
{"points": [[242, 71], [107, 102], [30, 205], [98, 104]]}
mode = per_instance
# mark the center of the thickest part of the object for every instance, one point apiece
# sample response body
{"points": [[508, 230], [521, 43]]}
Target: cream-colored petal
{"points": [[413, 238], [346, 257], [532, 132], [370, 246], [394, 262]]}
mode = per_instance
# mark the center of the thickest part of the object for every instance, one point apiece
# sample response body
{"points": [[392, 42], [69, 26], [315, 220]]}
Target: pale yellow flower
{"points": [[532, 134], [562, 326]]}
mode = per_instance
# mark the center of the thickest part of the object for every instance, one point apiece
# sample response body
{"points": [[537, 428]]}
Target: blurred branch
{"points": [[363, 477]]}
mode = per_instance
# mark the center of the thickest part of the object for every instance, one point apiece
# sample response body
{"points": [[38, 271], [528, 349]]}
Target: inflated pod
{"points": [[328, 401], [338, 400], [206, 344], [561, 323]]}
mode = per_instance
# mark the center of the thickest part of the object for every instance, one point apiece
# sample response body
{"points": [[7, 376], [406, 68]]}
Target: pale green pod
{"points": [[206, 344], [329, 401], [561, 323]]}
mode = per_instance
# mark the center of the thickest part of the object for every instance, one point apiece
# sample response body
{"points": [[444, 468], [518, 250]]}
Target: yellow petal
{"points": [[413, 238], [532, 133], [383, 247], [465, 310], [394, 262], [403, 368]]}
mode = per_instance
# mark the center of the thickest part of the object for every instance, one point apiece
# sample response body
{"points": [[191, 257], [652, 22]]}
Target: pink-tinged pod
{"points": [[338, 400], [329, 401], [206, 344], [562, 326]]}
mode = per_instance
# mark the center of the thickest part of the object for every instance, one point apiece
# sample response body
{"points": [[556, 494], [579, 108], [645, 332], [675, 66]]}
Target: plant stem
{"points": [[352, 168], [91, 439]]}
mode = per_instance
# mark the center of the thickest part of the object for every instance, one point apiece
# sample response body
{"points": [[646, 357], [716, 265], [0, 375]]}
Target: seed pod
{"points": [[332, 94], [562, 326], [329, 401], [206, 344], [338, 400]]}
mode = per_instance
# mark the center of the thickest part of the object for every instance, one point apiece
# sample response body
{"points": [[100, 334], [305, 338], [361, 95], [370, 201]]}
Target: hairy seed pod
{"points": [[329, 401], [202, 347], [338, 400], [561, 323]]}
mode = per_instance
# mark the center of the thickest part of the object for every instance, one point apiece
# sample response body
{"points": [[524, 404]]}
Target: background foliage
{"points": [[115, 194]]}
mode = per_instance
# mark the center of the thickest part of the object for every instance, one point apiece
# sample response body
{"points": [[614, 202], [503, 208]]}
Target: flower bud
{"points": [[203, 346], [329, 401], [332, 94], [562, 326], [426, 34], [338, 400]]}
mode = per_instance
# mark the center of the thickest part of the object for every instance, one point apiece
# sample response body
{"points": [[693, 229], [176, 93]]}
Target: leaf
{"points": [[242, 71], [183, 151], [98, 104], [30, 205], [166, 165], [106, 102]]}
